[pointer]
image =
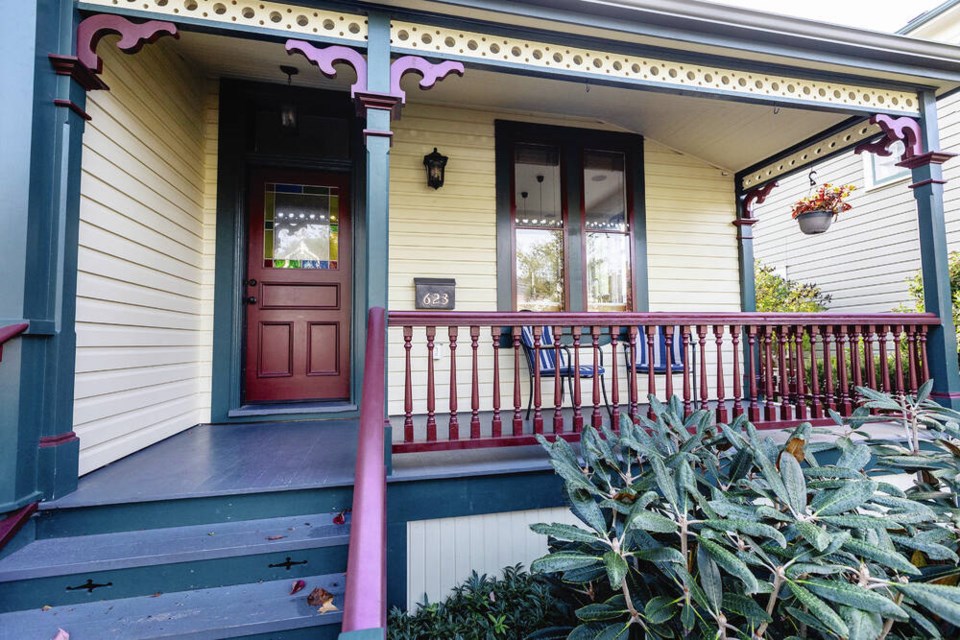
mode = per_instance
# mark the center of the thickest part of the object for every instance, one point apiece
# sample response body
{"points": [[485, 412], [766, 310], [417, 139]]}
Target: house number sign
{"points": [[435, 293]]}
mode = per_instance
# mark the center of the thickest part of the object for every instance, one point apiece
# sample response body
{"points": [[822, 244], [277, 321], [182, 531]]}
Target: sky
{"points": [[877, 15]]}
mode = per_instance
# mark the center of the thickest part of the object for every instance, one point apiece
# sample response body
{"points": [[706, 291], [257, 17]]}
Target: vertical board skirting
{"points": [[145, 284], [442, 552]]}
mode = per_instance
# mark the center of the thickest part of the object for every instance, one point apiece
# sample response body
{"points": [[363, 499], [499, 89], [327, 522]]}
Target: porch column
{"points": [[42, 127], [744, 223], [928, 190]]}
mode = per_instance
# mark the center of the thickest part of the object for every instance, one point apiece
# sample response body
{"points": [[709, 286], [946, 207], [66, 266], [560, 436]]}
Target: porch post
{"points": [[744, 223], [928, 190], [42, 127]]}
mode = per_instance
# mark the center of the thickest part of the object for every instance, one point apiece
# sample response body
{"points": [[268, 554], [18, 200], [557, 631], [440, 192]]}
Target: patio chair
{"points": [[548, 364], [641, 359]]}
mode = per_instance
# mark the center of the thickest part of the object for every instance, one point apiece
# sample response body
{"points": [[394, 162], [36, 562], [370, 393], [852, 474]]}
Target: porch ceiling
{"points": [[730, 135]]}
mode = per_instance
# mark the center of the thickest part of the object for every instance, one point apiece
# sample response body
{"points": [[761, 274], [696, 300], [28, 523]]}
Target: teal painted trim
{"points": [[641, 269], [823, 135], [934, 264], [926, 17], [396, 561], [621, 19], [572, 142], [745, 258], [222, 28], [378, 52], [364, 634]]}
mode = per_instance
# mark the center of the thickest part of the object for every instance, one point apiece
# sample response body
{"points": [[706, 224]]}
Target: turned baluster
{"points": [[668, 360], [912, 358], [431, 392], [884, 365], [537, 413], [842, 340], [454, 426], [704, 389], [855, 362], [923, 353], [737, 388], [868, 358], [801, 397], [687, 403], [816, 410], [577, 400], [651, 332], [558, 382], [829, 397], [474, 383], [496, 425], [407, 386], [898, 357], [614, 380], [632, 373], [722, 415], [783, 339], [596, 419], [771, 407], [517, 403], [753, 413]]}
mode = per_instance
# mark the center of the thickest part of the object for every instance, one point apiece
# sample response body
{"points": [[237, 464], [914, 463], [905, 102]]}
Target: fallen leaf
{"points": [[340, 518], [61, 635], [46, 607], [327, 607], [298, 586], [276, 537], [157, 594], [319, 596], [794, 447]]}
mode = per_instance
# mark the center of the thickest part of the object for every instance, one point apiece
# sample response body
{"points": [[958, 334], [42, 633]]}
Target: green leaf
{"points": [[749, 528], [816, 536], [650, 521], [855, 457], [933, 599], [880, 555], [665, 482], [746, 607], [862, 625], [918, 618], [730, 563], [855, 596], [585, 508], [794, 483], [562, 561], [600, 611], [659, 609], [847, 498], [662, 554], [933, 550], [616, 568], [819, 609], [618, 631], [710, 579], [565, 532], [924, 391]]}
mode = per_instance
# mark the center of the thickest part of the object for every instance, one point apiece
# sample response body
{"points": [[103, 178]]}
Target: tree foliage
{"points": [[915, 289], [776, 294]]}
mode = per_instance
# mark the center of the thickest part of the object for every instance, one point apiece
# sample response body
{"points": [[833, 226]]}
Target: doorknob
{"points": [[252, 300], [252, 282]]}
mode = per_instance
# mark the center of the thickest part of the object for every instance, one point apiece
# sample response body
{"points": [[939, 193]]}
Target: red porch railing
{"points": [[778, 369], [365, 602], [9, 332]]}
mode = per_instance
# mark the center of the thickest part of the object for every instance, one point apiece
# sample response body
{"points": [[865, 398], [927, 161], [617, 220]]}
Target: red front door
{"points": [[298, 285]]}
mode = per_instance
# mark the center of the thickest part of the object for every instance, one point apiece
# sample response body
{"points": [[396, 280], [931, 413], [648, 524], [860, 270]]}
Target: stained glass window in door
{"points": [[300, 226]]}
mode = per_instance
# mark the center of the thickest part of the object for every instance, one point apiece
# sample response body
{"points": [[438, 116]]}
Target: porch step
{"points": [[54, 571], [239, 611]]}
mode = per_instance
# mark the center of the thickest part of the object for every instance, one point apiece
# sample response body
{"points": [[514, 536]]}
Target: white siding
{"points": [[869, 253], [145, 280], [441, 553]]}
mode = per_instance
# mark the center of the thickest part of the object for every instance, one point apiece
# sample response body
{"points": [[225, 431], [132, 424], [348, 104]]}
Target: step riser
{"points": [[136, 516], [326, 632], [167, 578]]}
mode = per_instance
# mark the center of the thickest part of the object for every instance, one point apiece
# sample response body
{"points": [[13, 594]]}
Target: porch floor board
{"points": [[217, 460]]}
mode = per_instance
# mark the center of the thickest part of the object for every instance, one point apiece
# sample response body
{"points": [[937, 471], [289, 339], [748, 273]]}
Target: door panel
{"points": [[298, 287]]}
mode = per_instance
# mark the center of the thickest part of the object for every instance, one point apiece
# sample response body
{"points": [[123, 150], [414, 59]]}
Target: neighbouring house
{"points": [[291, 289], [877, 240]]}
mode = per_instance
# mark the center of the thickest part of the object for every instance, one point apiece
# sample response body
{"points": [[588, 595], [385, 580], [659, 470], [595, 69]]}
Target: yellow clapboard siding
{"points": [[145, 281]]}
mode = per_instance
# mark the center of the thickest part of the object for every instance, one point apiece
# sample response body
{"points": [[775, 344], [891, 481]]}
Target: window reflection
{"points": [[608, 239], [539, 270]]}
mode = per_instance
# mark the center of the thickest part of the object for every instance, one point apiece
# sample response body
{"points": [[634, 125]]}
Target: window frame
{"points": [[572, 144]]}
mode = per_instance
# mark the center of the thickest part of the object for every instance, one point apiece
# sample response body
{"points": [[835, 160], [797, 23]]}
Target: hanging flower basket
{"points": [[814, 222], [816, 212]]}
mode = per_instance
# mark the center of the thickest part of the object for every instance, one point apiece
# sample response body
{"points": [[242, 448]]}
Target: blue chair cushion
{"points": [[677, 356], [548, 355]]}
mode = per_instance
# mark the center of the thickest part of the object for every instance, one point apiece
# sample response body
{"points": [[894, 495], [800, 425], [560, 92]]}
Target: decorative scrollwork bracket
{"points": [[903, 129]]}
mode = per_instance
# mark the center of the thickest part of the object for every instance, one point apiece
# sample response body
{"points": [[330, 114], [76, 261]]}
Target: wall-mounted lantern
{"points": [[435, 163]]}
